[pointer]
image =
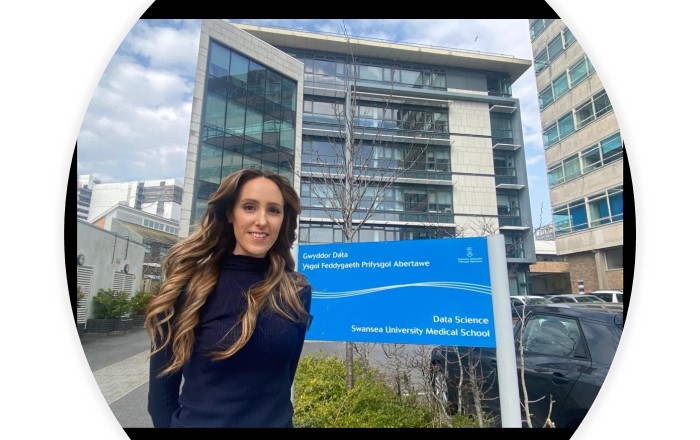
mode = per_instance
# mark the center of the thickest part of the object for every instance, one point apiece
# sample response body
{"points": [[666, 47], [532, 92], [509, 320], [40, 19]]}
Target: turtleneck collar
{"points": [[245, 263]]}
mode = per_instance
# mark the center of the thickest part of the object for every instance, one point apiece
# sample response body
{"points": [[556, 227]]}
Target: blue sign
{"points": [[435, 292]]}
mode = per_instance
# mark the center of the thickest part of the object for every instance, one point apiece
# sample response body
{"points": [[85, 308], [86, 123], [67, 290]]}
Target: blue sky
{"points": [[137, 123]]}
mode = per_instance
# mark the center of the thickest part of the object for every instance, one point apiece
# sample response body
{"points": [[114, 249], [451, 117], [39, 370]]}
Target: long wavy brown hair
{"points": [[191, 270]]}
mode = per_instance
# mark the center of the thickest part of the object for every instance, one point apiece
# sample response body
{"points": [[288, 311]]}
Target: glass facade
{"points": [[328, 69], [248, 121], [401, 150]]}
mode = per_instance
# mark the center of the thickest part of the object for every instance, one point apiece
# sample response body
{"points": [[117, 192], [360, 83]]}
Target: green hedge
{"points": [[322, 401], [139, 302], [111, 304]]}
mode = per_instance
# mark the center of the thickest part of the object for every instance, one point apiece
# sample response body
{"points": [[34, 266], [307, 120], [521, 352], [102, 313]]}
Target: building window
{"points": [[595, 210], [613, 258], [589, 159], [566, 81], [336, 70], [248, 121], [596, 107], [537, 26], [554, 48]]}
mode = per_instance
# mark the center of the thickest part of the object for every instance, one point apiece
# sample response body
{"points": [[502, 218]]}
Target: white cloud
{"points": [[137, 124]]}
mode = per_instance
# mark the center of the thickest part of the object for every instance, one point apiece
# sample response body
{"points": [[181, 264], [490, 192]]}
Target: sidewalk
{"points": [[120, 366]]}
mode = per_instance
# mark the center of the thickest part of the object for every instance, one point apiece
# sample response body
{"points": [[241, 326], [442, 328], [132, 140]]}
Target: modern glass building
{"points": [[434, 131], [583, 152]]}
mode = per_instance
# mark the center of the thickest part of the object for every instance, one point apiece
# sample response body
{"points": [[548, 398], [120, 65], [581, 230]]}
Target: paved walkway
{"points": [[119, 364], [118, 380]]}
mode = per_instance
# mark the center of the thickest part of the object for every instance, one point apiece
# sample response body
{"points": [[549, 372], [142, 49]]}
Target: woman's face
{"points": [[257, 217]]}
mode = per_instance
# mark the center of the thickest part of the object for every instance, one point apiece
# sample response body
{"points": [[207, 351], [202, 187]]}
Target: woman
{"points": [[232, 314]]}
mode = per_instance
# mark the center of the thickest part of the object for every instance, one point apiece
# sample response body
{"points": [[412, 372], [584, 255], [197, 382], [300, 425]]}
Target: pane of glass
{"points": [[541, 61], [598, 208], [411, 77], [613, 258], [256, 79], [578, 72], [566, 126], [584, 115], [602, 104], [571, 168], [561, 85], [273, 87], [324, 67], [218, 60], [215, 111], [555, 176], [288, 98], [611, 148], [616, 208], [550, 135], [568, 38], [536, 28], [239, 69], [231, 162], [591, 159], [287, 136], [579, 219], [555, 47], [210, 164], [371, 73], [254, 124], [235, 118], [439, 81], [546, 97]]}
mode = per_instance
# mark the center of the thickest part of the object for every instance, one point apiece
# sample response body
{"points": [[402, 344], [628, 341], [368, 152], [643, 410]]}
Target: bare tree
{"points": [[351, 181], [522, 317]]}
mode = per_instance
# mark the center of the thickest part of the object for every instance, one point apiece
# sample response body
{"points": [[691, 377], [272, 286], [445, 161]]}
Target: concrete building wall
{"points": [[585, 249], [561, 62], [106, 195], [170, 210], [474, 190], [105, 255], [589, 184], [610, 235], [571, 99], [599, 129]]}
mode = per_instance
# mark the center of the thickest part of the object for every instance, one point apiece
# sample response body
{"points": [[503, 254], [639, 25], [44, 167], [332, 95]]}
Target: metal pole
{"points": [[503, 325]]}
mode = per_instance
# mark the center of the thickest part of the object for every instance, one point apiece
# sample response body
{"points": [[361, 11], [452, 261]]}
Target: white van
{"points": [[611, 296]]}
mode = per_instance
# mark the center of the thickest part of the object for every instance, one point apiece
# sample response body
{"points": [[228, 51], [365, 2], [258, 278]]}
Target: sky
{"points": [[49, 382], [136, 126]]}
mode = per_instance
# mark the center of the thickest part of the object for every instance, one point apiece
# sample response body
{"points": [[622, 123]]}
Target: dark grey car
{"points": [[568, 349]]}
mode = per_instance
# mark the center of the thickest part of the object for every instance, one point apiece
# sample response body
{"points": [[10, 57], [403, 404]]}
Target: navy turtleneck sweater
{"points": [[252, 388]]}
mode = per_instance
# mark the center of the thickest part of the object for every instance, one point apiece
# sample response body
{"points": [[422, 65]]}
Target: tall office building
{"points": [[159, 197], [583, 152], [440, 124], [85, 184]]}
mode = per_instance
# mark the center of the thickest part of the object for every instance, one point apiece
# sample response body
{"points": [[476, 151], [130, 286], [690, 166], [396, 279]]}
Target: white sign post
{"points": [[503, 324]]}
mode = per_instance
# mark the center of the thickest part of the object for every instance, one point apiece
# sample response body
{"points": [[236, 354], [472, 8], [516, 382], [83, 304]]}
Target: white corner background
{"points": [[53, 55]]}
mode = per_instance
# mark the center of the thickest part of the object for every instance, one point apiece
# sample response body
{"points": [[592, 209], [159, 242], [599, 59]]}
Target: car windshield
{"points": [[538, 301]]}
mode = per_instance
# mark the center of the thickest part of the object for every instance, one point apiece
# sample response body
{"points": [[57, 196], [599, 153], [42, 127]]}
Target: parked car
{"points": [[519, 300], [611, 296], [567, 350], [574, 298]]}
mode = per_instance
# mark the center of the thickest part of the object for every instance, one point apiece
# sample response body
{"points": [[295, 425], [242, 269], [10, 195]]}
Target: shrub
{"points": [[322, 400], [139, 302], [111, 304]]}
